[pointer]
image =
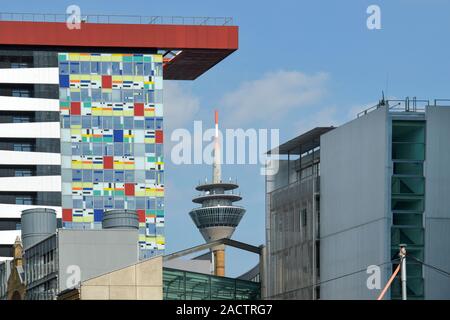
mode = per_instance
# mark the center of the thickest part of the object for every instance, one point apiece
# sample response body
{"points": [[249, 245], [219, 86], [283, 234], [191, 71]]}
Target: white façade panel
{"points": [[5, 259], [28, 104], [40, 183], [9, 236], [30, 75], [15, 210], [36, 158], [30, 130]]}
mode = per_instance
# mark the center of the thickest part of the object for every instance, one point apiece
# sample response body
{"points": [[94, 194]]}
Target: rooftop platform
{"points": [[194, 44]]}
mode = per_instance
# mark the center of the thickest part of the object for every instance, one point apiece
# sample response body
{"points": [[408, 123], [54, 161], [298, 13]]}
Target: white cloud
{"points": [[325, 117], [180, 105], [271, 97]]}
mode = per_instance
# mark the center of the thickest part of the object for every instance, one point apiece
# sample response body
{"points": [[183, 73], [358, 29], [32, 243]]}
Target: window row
{"points": [[111, 149], [110, 122], [111, 95], [129, 176], [108, 202], [111, 68]]}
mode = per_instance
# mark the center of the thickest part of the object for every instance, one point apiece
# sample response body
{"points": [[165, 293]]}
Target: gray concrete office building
{"points": [[384, 180]]}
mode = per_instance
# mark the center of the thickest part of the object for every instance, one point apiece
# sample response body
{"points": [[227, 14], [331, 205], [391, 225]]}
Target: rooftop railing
{"points": [[407, 105], [119, 19]]}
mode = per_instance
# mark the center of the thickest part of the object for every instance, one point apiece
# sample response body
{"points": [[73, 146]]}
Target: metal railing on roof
{"points": [[406, 105], [119, 19]]}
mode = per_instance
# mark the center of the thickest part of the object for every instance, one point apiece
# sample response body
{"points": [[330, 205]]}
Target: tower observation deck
{"points": [[218, 217]]}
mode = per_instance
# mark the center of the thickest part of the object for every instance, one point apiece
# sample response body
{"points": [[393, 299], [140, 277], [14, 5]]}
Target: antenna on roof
{"points": [[382, 101]]}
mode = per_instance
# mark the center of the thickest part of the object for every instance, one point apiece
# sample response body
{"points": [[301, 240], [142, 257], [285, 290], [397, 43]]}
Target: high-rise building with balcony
{"points": [[81, 114]]}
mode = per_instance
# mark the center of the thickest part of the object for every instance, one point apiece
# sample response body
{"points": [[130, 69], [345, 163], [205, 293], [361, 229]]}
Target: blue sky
{"points": [[300, 64]]}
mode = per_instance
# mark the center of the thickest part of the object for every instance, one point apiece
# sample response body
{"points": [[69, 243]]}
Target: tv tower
{"points": [[217, 218]]}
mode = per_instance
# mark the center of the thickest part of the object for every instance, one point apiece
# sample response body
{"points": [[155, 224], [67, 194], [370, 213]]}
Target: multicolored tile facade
{"points": [[112, 141]]}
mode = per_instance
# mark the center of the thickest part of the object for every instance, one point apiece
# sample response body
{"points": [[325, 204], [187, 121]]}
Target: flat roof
{"points": [[304, 142], [201, 46]]}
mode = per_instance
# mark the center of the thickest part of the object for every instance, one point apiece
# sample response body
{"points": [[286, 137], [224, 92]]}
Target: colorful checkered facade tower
{"points": [[81, 114], [112, 140]]}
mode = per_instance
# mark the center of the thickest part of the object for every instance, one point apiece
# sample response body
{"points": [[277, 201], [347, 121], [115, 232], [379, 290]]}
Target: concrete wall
{"points": [[95, 252], [141, 281], [354, 209], [437, 202], [200, 266]]}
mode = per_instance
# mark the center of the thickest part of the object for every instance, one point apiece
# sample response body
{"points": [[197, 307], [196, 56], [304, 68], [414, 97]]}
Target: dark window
{"points": [[304, 218], [24, 200], [23, 172], [25, 146], [21, 119], [18, 92]]}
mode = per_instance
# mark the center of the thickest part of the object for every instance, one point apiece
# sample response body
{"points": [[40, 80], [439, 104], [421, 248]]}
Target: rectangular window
{"points": [[139, 68], [76, 175], [20, 92], [127, 68], [138, 124], [119, 176], [108, 123], [95, 67], [304, 217], [116, 95], [89, 202], [127, 95], [129, 176], [109, 149], [116, 68], [86, 122], [23, 147], [106, 96], [98, 176], [85, 96], [21, 119], [27, 200], [106, 68], [128, 149], [108, 176], [85, 67], [118, 149], [97, 122], [74, 67], [76, 149], [87, 149], [159, 123], [128, 122], [98, 202], [96, 95], [97, 149], [23, 173], [109, 202], [75, 96], [118, 122], [64, 68], [87, 175], [138, 96]]}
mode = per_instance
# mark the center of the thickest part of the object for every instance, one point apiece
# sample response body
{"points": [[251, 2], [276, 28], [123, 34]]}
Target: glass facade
{"points": [[41, 270], [407, 201], [184, 285], [112, 141]]}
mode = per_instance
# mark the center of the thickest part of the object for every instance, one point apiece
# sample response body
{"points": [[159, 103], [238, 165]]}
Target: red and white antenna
{"points": [[216, 164]]}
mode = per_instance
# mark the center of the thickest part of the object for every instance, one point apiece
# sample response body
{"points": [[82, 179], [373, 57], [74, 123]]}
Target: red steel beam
{"points": [[120, 35], [210, 43]]}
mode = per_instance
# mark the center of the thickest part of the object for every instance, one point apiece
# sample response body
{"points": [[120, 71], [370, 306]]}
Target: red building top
{"points": [[198, 47]]}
